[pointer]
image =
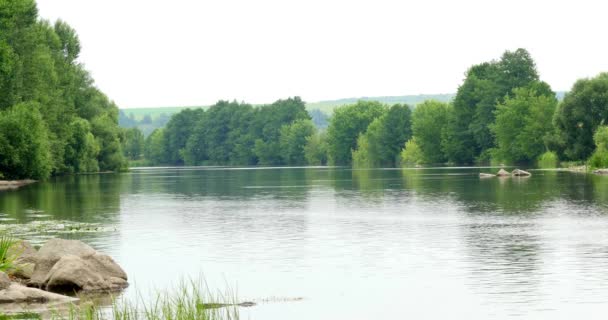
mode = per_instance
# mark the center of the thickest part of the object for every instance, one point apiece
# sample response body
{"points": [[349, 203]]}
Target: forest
{"points": [[502, 113], [54, 121]]}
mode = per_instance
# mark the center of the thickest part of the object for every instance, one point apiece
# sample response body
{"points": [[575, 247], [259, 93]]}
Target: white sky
{"points": [[146, 53]]}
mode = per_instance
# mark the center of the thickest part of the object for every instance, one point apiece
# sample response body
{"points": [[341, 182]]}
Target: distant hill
{"points": [[328, 106]]}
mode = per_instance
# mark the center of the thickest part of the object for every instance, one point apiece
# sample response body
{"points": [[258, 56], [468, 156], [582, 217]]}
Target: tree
{"points": [[293, 140], [599, 158], [468, 137], [411, 154], [154, 148], [346, 124], [315, 150], [178, 131], [523, 122], [133, 144], [429, 120], [579, 115], [24, 150]]}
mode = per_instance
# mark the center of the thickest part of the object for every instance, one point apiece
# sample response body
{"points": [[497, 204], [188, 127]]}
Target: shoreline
{"points": [[15, 184]]}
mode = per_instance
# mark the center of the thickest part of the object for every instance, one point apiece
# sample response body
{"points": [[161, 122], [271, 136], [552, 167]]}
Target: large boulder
{"points": [[520, 173], [17, 293], [503, 173], [73, 265], [25, 259]]}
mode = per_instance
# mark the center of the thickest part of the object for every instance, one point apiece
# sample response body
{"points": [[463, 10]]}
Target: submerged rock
{"points": [[486, 175], [73, 265], [503, 173], [601, 171], [520, 173]]}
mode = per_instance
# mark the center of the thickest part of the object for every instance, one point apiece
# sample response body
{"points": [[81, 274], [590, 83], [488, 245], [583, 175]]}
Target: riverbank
{"points": [[14, 184]]}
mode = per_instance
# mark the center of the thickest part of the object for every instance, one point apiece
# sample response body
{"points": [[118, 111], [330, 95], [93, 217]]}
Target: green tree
{"points": [[599, 158], [412, 154], [315, 150], [293, 139], [24, 150], [133, 144], [154, 148], [468, 137], [178, 131], [346, 124], [523, 122], [579, 115], [429, 121]]}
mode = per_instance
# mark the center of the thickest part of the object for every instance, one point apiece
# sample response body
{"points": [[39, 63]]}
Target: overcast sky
{"points": [[145, 53]]}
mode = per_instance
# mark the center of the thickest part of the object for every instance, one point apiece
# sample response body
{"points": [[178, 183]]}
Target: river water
{"points": [[337, 243]]}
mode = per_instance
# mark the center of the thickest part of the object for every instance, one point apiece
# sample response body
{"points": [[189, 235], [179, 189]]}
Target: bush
{"points": [[548, 160], [599, 158]]}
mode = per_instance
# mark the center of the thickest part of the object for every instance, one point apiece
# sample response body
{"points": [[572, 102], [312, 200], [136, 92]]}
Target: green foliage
{"points": [[315, 150], [522, 123], [133, 143], [583, 109], [178, 131], [154, 148], [39, 71], [347, 123], [468, 133], [429, 121], [412, 154], [599, 158], [293, 139], [548, 160], [24, 150]]}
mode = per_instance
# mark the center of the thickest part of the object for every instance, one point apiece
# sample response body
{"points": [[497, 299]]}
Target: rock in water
{"points": [[71, 264], [520, 173], [503, 173], [486, 175], [601, 171]]}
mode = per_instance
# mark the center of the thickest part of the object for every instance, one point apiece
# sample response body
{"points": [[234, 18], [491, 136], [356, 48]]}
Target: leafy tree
{"points": [[154, 148], [523, 122], [347, 123], [177, 132], [599, 158], [24, 150], [133, 144], [579, 115], [82, 149], [468, 136], [429, 120], [412, 154], [315, 150], [293, 140]]}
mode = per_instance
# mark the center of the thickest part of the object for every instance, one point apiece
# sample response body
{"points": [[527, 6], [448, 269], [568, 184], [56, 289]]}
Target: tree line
{"points": [[53, 120], [501, 113]]}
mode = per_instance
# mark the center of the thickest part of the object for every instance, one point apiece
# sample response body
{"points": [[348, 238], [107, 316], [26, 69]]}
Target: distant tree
{"points": [[579, 115], [178, 131], [429, 121], [346, 124], [411, 153], [133, 144], [315, 150], [293, 139], [468, 137], [522, 123], [154, 148], [599, 158]]}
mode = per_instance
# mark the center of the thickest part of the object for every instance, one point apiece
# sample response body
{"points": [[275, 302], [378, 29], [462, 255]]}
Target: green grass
{"points": [[191, 301], [548, 160], [6, 260]]}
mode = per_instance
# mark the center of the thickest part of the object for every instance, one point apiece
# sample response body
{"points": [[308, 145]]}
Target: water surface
{"points": [[354, 244]]}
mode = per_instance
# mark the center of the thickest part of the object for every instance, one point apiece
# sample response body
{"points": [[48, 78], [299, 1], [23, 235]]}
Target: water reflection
{"points": [[489, 248]]}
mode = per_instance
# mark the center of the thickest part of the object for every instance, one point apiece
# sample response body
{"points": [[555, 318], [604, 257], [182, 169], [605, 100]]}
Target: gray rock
{"points": [[62, 264], [503, 173], [95, 273], [17, 293], [5, 282], [25, 259], [601, 171], [520, 173]]}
